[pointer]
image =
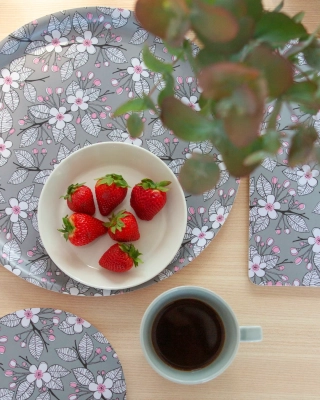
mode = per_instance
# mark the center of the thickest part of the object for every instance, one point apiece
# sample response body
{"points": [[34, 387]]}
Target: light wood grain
{"points": [[286, 365]]}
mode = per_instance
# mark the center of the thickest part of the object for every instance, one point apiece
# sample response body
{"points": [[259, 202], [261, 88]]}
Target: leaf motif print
{"points": [[163, 275], [66, 70], [269, 164], [264, 187], [34, 282], [70, 132], [304, 190], [261, 224], [67, 354], [80, 60], [214, 207], [297, 223], [157, 148], [72, 88], [25, 193], [2, 199], [66, 328], [100, 338], [30, 92], [65, 26], [12, 250], [142, 88], [20, 230], [86, 347], [25, 390], [116, 135], [25, 73], [251, 186], [54, 23], [158, 129], [29, 137], [58, 371], [72, 51], [311, 279], [139, 37], [83, 376], [55, 384], [36, 48], [12, 100], [119, 386], [36, 346], [17, 64], [105, 10], [42, 176], [25, 159], [10, 47], [114, 374], [317, 209], [10, 320], [80, 24], [224, 176], [6, 394], [20, 33], [115, 55], [119, 22], [291, 173], [43, 396], [38, 267], [270, 259], [40, 111], [91, 125], [33, 203], [19, 176], [252, 252], [209, 194], [34, 222], [6, 121], [92, 93]]}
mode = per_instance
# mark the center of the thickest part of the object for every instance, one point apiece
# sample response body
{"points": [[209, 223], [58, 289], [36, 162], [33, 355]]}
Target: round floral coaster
{"points": [[60, 79], [48, 354]]}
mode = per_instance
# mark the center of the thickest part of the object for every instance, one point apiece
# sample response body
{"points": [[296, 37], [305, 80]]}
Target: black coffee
{"points": [[188, 334]]}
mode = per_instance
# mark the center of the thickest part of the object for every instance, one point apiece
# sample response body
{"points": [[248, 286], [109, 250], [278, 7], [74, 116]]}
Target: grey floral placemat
{"points": [[60, 79], [48, 354]]}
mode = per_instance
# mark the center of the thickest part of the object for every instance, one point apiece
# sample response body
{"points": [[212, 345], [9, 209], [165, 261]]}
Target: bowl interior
{"points": [[160, 238]]}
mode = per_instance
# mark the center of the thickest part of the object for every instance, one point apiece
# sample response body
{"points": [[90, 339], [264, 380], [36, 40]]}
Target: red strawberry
{"points": [[148, 198], [82, 229], [80, 199], [123, 227], [110, 192], [120, 258]]}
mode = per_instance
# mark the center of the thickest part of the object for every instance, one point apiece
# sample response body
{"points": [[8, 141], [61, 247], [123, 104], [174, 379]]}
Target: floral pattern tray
{"points": [[284, 227], [48, 354], [61, 76]]}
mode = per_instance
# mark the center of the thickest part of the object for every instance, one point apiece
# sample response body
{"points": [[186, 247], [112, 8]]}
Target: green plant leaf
{"points": [[207, 57], [302, 144], [168, 19], [134, 125], [186, 123], [276, 70], [199, 174], [168, 90], [279, 6], [273, 119], [277, 29], [256, 157], [254, 9], [212, 22], [154, 64], [304, 93], [312, 54], [299, 16], [139, 104], [187, 47]]}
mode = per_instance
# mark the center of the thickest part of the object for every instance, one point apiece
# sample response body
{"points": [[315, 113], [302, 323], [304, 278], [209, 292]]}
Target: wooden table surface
{"points": [[286, 365]]}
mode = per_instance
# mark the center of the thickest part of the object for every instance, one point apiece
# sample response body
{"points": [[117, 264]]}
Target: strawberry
{"points": [[110, 192], [123, 227], [82, 229], [120, 258], [80, 199], [148, 198]]}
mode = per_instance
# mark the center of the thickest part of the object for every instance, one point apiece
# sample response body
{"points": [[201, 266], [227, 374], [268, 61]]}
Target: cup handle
{"points": [[250, 334]]}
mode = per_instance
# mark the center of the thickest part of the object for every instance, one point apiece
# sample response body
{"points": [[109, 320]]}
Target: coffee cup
{"points": [[190, 335]]}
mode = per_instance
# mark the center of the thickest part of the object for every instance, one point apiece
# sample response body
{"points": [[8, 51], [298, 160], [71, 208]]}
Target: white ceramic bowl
{"points": [[160, 238]]}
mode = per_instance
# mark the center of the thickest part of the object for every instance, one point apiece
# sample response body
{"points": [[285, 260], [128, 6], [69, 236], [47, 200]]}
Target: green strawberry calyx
{"points": [[149, 184], [68, 227], [112, 178], [132, 252], [71, 189], [116, 223]]}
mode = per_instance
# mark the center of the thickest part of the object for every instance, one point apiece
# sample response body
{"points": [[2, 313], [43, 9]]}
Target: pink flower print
{"points": [[9, 80], [307, 176], [16, 209], [78, 323], [78, 101], [256, 267], [59, 117], [191, 102], [219, 218], [39, 374], [55, 41], [28, 315], [201, 236], [4, 148], [128, 139], [269, 207], [116, 15], [315, 240], [137, 70], [86, 43], [15, 271], [101, 388]]}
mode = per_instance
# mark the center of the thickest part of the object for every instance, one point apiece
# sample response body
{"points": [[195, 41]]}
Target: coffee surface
{"points": [[188, 334]]}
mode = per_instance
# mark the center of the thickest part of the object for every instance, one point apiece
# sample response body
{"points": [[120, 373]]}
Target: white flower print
{"points": [[137, 70], [17, 209], [86, 43], [219, 218], [191, 102], [4, 148], [269, 207], [128, 139], [16, 271], [9, 80], [307, 176], [78, 323], [194, 150], [101, 388], [201, 236], [78, 101], [74, 291], [59, 117], [39, 374], [120, 11], [315, 240], [28, 315], [256, 267], [55, 41]]}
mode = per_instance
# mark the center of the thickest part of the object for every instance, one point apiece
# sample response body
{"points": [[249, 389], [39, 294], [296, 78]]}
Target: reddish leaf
{"points": [[302, 144], [277, 70], [214, 23]]}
